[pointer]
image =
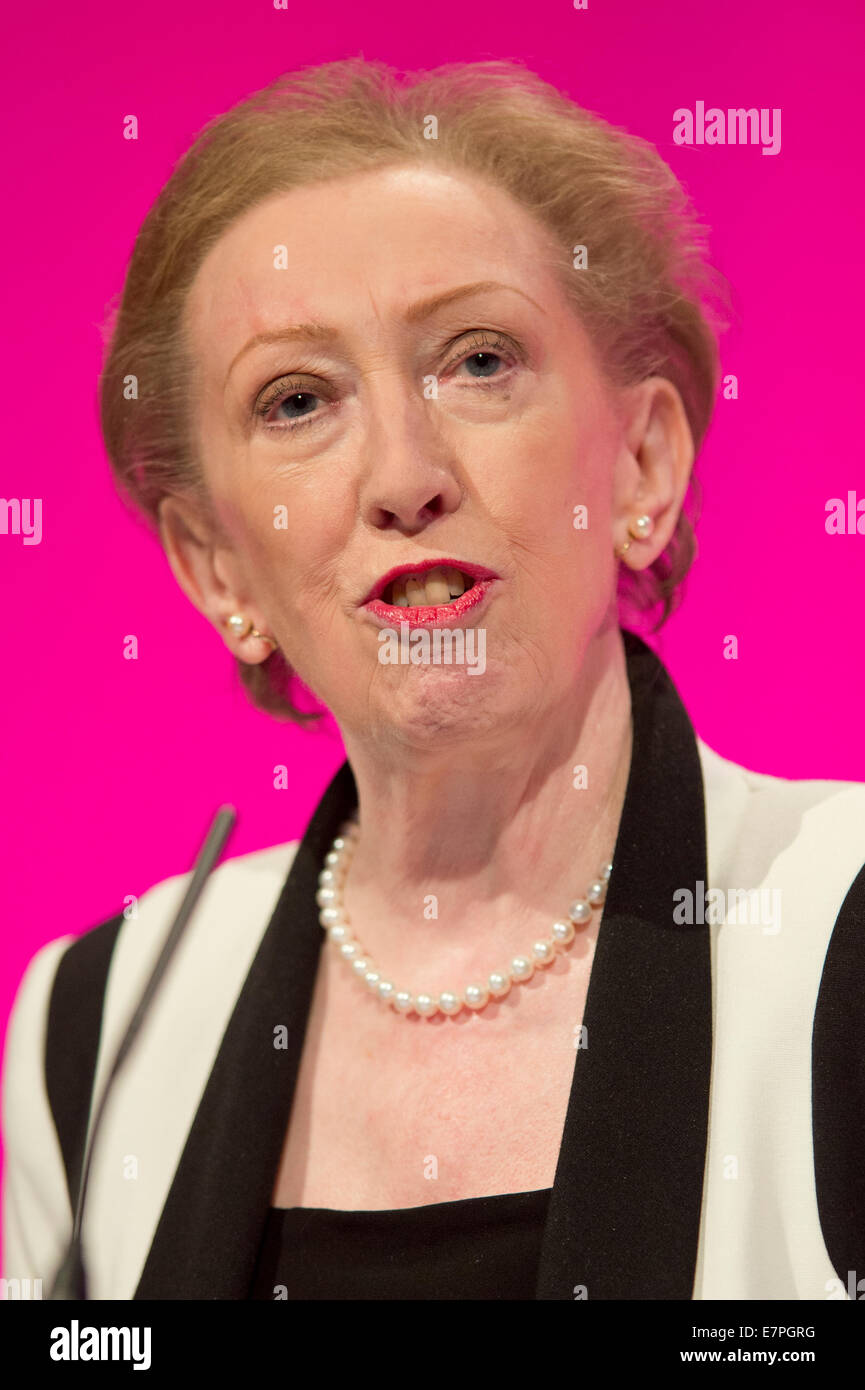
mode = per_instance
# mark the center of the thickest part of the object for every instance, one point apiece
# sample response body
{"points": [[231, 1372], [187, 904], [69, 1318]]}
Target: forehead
{"points": [[361, 249]]}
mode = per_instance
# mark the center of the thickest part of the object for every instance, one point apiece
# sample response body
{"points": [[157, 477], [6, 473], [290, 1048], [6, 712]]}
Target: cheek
{"points": [[287, 534], [558, 482]]}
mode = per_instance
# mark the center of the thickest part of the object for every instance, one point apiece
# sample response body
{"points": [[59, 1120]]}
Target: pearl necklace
{"points": [[334, 919]]}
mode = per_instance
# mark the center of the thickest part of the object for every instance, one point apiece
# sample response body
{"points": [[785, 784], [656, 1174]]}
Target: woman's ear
{"points": [[659, 455], [208, 573]]}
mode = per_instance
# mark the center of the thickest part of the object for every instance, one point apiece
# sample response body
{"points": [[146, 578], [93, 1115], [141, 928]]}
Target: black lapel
{"points": [[209, 1232], [72, 1040], [624, 1215], [838, 1092]]}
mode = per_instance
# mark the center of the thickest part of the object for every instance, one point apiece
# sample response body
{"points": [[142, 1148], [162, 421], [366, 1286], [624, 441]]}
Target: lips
{"points": [[429, 592]]}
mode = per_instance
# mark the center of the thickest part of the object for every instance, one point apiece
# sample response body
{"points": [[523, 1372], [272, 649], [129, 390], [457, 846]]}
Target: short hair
{"points": [[649, 299]]}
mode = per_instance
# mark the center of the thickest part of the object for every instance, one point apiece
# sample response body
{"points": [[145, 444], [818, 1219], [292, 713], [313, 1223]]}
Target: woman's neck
{"points": [[461, 845]]}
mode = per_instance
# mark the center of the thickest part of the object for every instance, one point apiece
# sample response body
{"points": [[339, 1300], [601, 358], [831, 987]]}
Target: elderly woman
{"points": [[550, 1001]]}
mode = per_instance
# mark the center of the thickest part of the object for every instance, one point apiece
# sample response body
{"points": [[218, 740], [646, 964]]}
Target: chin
{"points": [[424, 707]]}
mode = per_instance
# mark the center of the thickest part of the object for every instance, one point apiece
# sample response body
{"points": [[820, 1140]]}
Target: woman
{"points": [[434, 358]]}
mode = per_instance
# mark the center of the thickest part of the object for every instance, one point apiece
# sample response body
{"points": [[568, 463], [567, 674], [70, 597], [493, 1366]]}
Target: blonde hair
{"points": [[649, 299]]}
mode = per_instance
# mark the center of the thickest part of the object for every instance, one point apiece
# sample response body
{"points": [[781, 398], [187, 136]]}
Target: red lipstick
{"points": [[436, 615]]}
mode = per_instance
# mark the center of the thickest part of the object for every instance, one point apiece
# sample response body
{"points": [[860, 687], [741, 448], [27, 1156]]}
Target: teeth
{"points": [[455, 582], [415, 591], [437, 587], [431, 589]]}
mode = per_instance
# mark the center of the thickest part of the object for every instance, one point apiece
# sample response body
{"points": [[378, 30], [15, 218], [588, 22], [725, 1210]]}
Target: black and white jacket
{"points": [[714, 1140]]}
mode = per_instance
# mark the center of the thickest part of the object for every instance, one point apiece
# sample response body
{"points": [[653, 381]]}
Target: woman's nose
{"points": [[411, 473]]}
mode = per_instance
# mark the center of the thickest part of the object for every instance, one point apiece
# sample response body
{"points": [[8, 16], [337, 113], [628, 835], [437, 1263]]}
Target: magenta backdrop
{"points": [[113, 768]]}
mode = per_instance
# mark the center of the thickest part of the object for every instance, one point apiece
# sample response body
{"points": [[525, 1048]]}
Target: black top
{"points": [[483, 1247]]}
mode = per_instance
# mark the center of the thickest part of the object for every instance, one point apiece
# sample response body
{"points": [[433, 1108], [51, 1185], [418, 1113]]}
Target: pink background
{"points": [[112, 769]]}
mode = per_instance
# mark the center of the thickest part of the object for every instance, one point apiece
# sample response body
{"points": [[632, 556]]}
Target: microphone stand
{"points": [[71, 1281]]}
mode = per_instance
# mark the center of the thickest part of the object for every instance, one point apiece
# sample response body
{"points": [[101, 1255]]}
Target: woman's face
{"points": [[390, 374]]}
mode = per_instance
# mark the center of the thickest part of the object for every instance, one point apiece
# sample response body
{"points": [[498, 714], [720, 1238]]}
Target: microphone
{"points": [[70, 1281]]}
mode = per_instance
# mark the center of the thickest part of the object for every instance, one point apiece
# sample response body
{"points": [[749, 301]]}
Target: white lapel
{"points": [[148, 1117]]}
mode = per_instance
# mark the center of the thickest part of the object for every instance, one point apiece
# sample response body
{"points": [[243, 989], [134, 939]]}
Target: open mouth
{"points": [[440, 592], [433, 588]]}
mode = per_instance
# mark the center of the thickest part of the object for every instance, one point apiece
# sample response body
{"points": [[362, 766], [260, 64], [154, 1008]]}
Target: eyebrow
{"points": [[416, 313]]}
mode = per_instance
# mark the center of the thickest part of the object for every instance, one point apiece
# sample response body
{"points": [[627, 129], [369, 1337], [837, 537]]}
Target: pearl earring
{"points": [[640, 528], [243, 628]]}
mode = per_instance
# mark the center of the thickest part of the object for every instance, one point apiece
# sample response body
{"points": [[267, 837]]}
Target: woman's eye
{"points": [[483, 364], [484, 357], [286, 408], [298, 404]]}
